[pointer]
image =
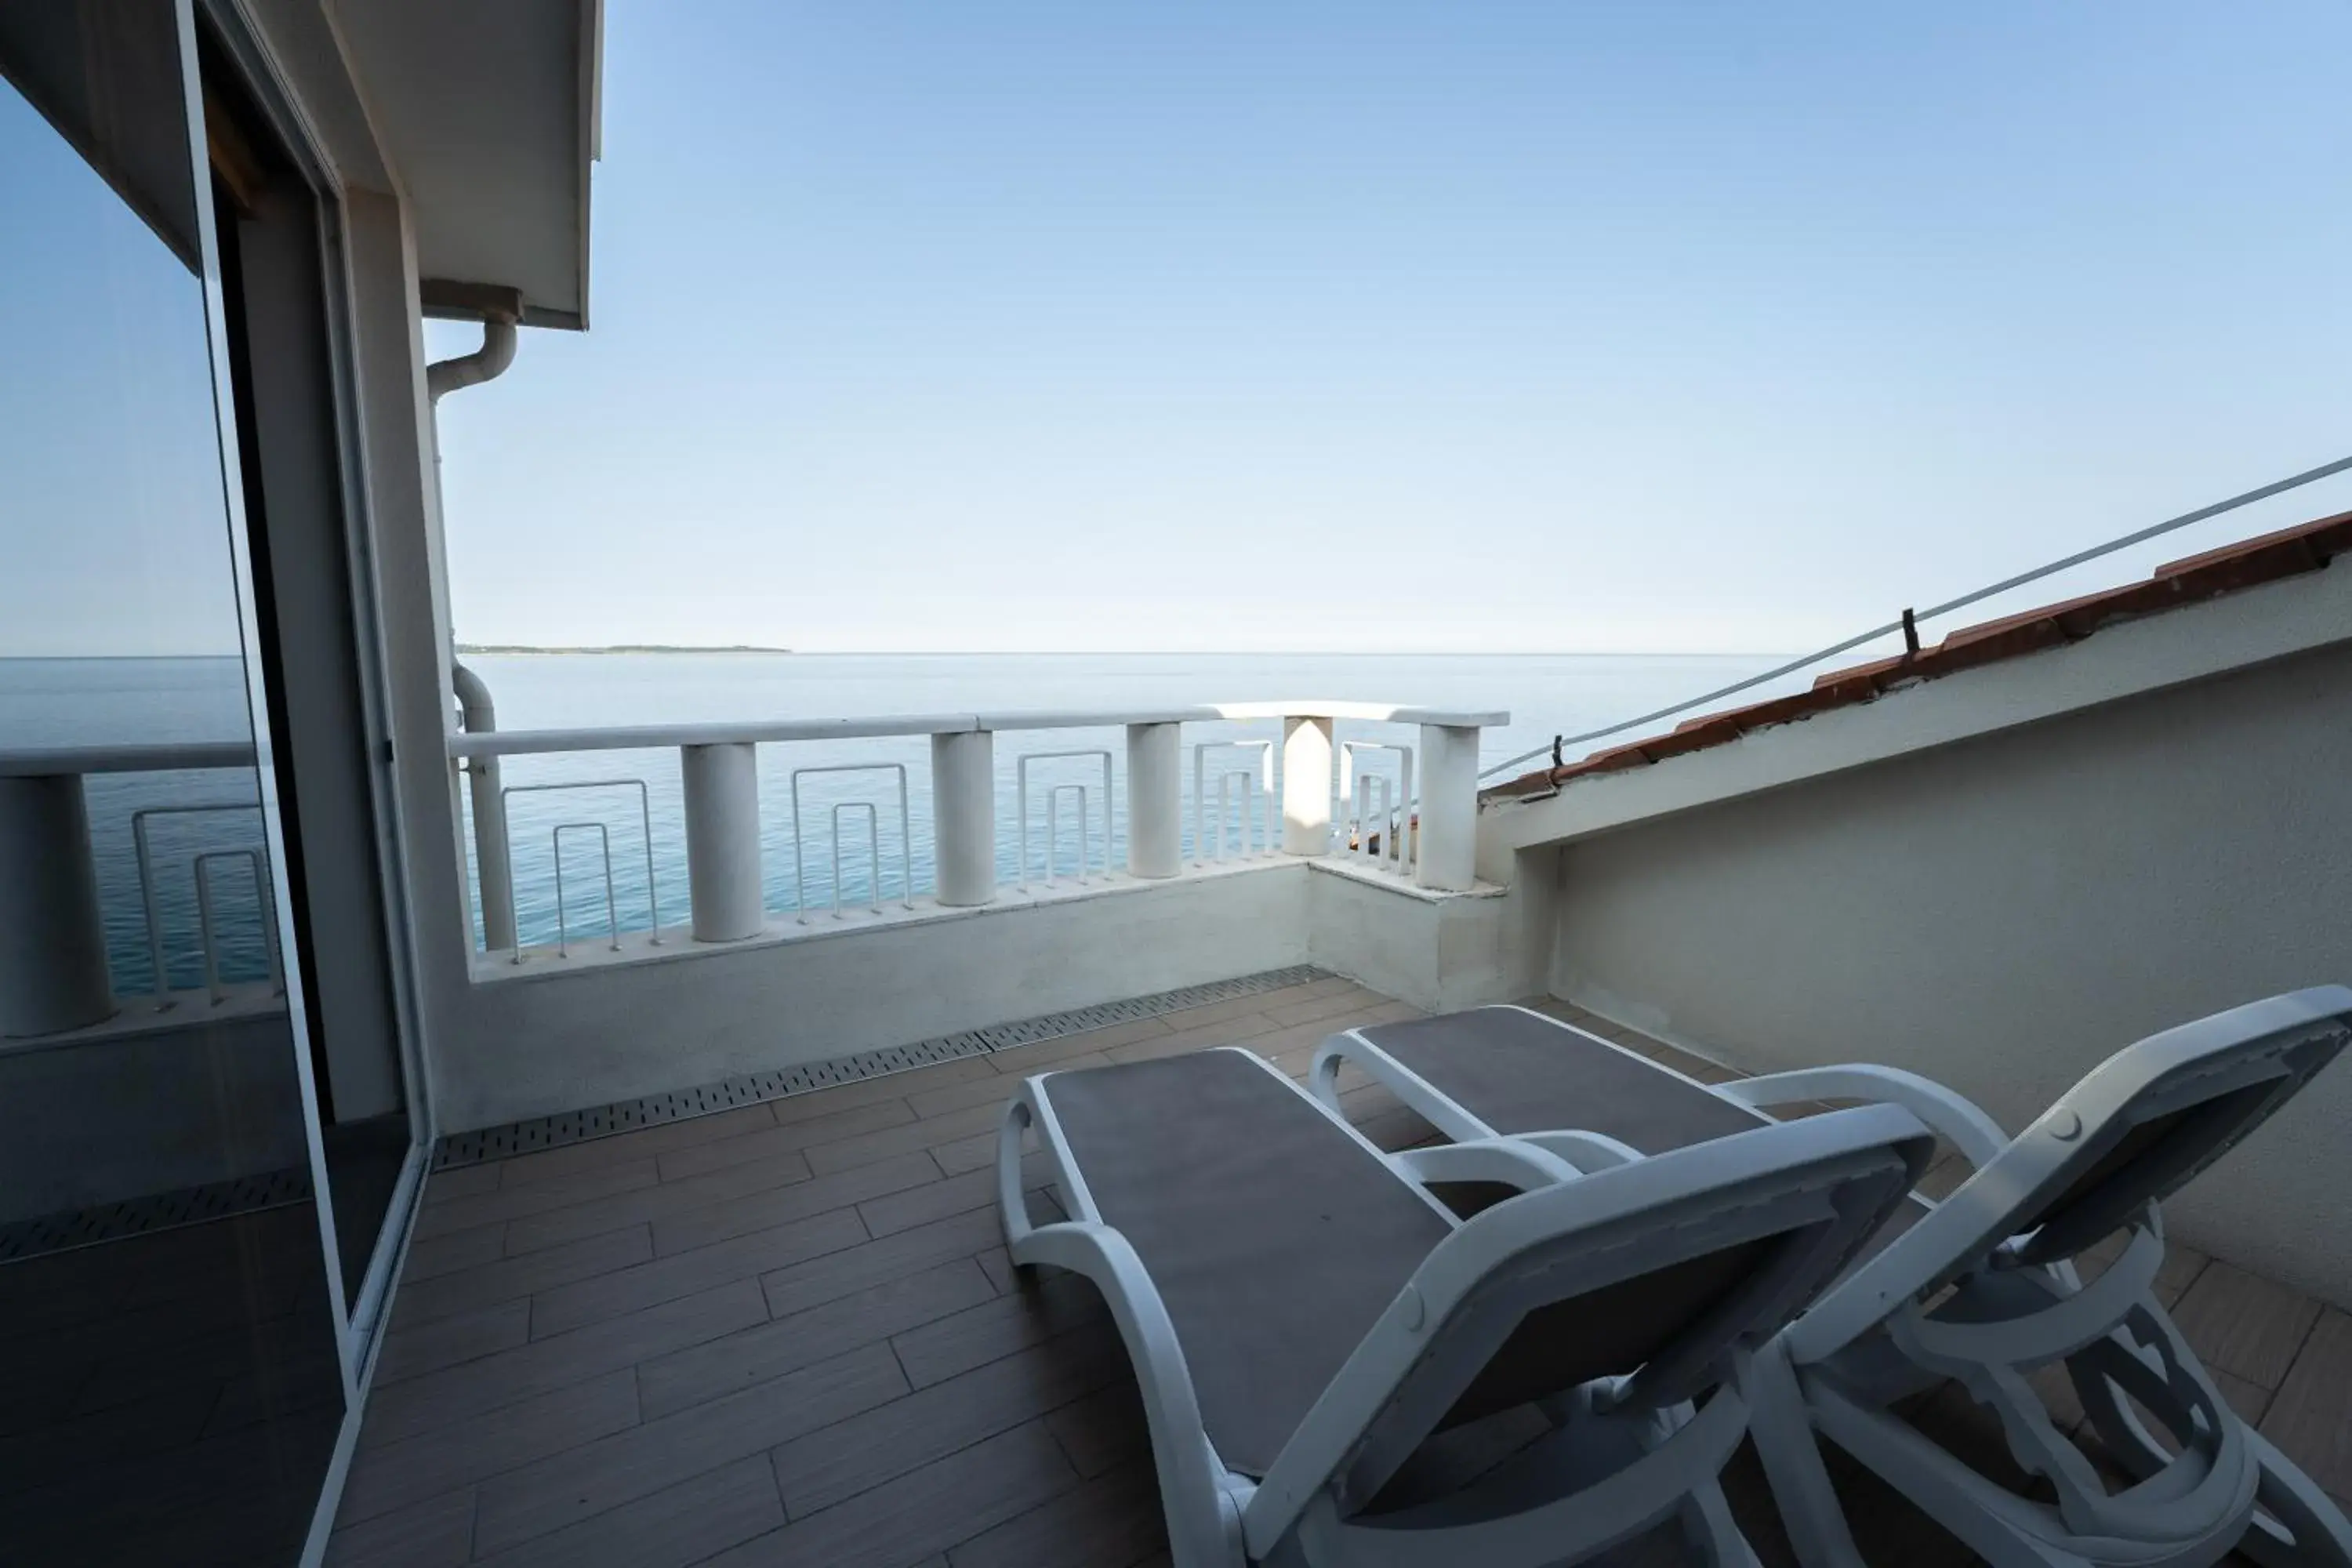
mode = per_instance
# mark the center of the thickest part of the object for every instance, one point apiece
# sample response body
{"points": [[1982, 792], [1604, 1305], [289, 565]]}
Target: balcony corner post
{"points": [[1446, 851], [723, 840], [1307, 786], [53, 974], [964, 811], [1155, 804]]}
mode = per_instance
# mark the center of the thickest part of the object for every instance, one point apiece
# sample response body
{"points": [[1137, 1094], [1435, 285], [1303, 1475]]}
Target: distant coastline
{"points": [[617, 647]]}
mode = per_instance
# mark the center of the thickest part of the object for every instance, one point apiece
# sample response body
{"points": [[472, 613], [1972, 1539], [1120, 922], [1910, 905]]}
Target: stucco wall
{"points": [[533, 1046], [2003, 914], [147, 1111]]}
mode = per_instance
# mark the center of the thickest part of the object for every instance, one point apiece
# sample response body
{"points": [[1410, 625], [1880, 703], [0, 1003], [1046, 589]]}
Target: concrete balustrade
{"points": [[718, 766], [963, 816], [53, 969], [723, 840], [1155, 800]]}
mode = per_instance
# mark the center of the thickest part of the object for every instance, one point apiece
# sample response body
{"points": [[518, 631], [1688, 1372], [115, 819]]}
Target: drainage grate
{"points": [[23, 1239], [628, 1115]]}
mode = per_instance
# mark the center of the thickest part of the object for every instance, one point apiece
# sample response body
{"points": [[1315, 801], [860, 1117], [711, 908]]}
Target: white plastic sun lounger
{"points": [[1980, 1287], [1302, 1314]]}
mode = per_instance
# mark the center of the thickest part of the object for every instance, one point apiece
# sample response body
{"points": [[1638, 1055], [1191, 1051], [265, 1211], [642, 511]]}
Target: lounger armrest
{"points": [[1518, 1163], [1195, 1487], [1977, 1136]]}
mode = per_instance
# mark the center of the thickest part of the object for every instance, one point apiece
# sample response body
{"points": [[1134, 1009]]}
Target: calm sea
{"points": [[46, 702]]}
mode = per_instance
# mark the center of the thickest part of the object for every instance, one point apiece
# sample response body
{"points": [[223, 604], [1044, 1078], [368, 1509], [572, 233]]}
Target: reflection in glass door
{"points": [[274, 222], [172, 1371]]}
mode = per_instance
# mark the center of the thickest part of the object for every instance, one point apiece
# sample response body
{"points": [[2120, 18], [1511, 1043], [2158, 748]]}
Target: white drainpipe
{"points": [[491, 865]]}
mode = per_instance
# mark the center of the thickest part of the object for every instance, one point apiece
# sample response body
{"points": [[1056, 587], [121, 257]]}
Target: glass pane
{"points": [[169, 1384], [278, 314]]}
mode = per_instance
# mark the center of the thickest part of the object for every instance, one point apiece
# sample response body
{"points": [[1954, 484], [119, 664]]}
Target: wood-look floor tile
{"points": [[699, 1159], [567, 1487], [1337, 1004], [441, 1342], [817, 1281], [435, 1533], [394, 1475], [890, 1142], [997, 1328], [584, 1301], [921, 1514], [672, 1528], [770, 1350], [522, 1169], [448, 1253], [1019, 1061], [462, 1393], [1104, 1430], [888, 1085], [2242, 1324], [711, 1223], [2310, 1419], [1109, 1523], [538, 1198], [459, 1181], [654, 1203], [511, 1279], [849, 1457]]}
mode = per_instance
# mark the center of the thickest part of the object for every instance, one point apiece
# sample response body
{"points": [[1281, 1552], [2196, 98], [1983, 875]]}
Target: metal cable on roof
{"points": [[2201, 514]]}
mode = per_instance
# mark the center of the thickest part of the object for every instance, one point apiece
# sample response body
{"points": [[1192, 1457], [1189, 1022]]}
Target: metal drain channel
{"points": [[751, 1089], [23, 1239]]}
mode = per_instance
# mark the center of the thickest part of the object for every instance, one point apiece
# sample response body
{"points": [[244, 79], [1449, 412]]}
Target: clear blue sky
{"points": [[1408, 326]]}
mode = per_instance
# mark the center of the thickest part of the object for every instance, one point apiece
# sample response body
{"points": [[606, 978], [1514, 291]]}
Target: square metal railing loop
{"points": [[1053, 792], [906, 839], [645, 815], [207, 934], [611, 911], [150, 902], [1390, 826], [1254, 781]]}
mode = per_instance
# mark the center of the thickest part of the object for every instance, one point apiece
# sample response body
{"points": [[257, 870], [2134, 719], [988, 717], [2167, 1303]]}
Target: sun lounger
{"points": [[1982, 1288], [1303, 1314]]}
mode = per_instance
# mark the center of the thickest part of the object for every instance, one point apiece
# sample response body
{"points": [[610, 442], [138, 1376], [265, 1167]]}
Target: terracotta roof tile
{"points": [[2228, 570]]}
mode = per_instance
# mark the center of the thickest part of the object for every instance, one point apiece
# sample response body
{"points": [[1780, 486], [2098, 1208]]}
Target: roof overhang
{"points": [[489, 115]]}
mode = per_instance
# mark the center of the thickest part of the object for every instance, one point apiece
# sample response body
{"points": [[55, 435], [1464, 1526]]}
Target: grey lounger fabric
{"points": [[1519, 1073], [1275, 1237]]}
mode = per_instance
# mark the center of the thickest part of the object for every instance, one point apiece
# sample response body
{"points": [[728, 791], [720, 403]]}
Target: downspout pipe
{"points": [[480, 717], [493, 869], [485, 364]]}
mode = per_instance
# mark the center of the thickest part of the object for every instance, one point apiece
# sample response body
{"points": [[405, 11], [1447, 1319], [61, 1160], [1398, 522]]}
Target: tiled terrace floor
{"points": [[788, 1335]]}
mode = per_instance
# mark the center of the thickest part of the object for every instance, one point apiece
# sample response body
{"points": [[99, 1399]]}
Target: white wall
{"points": [[547, 1039], [1438, 953], [134, 1113], [2004, 912]]}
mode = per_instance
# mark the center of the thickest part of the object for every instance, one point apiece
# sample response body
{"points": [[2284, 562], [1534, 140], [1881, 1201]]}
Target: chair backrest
{"points": [[1636, 1283], [2149, 1119]]}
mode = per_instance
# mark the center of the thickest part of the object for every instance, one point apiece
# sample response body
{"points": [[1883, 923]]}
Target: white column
{"points": [[1155, 799], [1448, 845], [723, 840], [1306, 787], [963, 815], [52, 942]]}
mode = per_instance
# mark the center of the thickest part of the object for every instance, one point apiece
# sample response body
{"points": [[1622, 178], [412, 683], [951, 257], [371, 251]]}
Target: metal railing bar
{"points": [[1021, 787], [646, 810], [150, 907], [906, 839], [2080, 557], [612, 915]]}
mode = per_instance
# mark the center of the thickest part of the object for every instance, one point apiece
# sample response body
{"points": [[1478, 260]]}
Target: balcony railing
{"points": [[1397, 808], [201, 884], [203, 918]]}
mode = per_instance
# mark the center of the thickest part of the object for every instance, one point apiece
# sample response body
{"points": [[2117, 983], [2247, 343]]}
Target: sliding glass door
{"points": [[207, 1135]]}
